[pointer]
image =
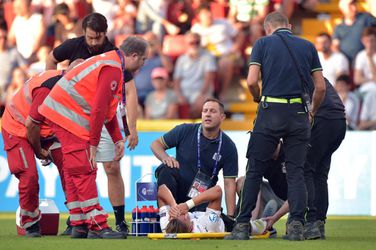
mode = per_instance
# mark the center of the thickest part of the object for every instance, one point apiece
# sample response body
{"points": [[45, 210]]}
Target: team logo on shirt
{"points": [[113, 85], [213, 217]]}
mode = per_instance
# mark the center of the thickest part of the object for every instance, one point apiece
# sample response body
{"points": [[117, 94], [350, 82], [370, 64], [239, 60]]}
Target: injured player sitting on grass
{"points": [[176, 218]]}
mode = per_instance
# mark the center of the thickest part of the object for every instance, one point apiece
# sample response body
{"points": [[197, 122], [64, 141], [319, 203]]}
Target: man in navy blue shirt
{"points": [[347, 35], [281, 114], [202, 150]]}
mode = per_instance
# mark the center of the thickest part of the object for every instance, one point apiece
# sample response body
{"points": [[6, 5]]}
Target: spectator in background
{"points": [[181, 13], [218, 36], [155, 59], [66, 26], [368, 113], [40, 65], [123, 20], [365, 62], [152, 16], [162, 102], [247, 16], [19, 77], [333, 63], [194, 75], [27, 30], [346, 37], [350, 100], [10, 59]]}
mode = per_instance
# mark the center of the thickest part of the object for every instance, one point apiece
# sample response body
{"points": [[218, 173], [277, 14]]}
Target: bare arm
{"points": [[132, 110], [158, 149], [51, 62], [212, 195], [230, 195], [178, 92], [165, 197], [33, 136], [281, 212], [319, 92], [365, 125], [172, 111], [41, 30], [252, 82], [208, 81]]}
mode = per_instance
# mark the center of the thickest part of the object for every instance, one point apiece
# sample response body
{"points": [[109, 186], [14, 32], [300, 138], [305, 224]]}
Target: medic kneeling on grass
{"points": [[176, 218]]}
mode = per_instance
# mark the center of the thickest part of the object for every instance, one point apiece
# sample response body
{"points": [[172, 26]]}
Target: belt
{"points": [[281, 100]]}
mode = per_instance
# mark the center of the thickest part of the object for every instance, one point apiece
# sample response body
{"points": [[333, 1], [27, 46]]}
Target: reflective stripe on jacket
{"points": [[18, 108], [70, 102]]}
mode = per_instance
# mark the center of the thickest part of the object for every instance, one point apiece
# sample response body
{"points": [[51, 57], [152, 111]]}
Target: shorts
{"points": [[268, 194], [106, 147]]}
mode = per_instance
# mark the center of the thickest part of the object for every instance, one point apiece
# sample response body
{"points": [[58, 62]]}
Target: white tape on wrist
{"points": [[190, 203]]}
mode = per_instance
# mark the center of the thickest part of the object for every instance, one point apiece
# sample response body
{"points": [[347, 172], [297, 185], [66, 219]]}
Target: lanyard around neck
{"points": [[217, 158], [123, 72]]}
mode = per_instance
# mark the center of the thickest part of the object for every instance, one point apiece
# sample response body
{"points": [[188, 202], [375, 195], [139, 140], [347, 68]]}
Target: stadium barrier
{"points": [[351, 181]]}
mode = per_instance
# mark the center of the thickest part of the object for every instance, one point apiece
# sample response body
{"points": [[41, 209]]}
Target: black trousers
{"points": [[326, 137], [275, 121], [178, 187]]}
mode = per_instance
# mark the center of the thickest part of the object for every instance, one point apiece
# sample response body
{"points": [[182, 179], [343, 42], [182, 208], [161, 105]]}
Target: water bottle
{"points": [[158, 217], [136, 221], [153, 219], [144, 229]]}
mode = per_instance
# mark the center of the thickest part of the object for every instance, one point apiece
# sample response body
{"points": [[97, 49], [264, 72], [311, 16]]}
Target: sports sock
{"points": [[119, 214]]}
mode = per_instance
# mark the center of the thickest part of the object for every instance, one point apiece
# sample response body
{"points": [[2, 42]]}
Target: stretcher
{"points": [[160, 236]]}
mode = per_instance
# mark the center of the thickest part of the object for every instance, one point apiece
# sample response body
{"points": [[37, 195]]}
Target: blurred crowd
{"points": [[198, 48]]}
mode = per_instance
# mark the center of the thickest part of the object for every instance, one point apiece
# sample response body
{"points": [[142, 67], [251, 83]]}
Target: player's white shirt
{"points": [[209, 221]]}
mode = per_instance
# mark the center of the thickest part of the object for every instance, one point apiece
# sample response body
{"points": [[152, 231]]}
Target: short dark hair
{"points": [[134, 44], [221, 106], [95, 21], [176, 226], [344, 78], [369, 31], [276, 19], [326, 35], [203, 6]]}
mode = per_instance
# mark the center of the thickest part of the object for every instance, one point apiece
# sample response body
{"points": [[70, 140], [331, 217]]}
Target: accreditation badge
{"points": [[200, 183]]}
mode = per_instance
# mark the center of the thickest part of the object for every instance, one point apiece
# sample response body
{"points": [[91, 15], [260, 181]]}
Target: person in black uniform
{"points": [[92, 43], [327, 133], [281, 114], [95, 42]]}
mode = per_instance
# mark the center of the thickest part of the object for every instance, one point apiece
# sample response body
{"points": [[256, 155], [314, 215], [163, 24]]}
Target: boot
{"points": [[240, 232]]}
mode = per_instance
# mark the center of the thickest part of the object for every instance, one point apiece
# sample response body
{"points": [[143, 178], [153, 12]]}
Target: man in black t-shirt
{"points": [[95, 42]]}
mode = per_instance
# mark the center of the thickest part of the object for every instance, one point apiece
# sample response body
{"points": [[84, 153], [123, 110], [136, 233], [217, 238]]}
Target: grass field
{"points": [[353, 233]]}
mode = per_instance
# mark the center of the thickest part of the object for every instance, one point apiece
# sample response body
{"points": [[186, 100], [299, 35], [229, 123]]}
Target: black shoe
{"points": [[321, 226], [295, 231], [240, 232], [228, 221], [105, 233], [33, 231], [79, 232], [123, 228], [68, 230], [311, 231]]}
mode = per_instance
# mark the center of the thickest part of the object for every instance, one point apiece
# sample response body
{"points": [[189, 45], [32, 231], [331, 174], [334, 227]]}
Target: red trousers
{"points": [[21, 162], [80, 186]]}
